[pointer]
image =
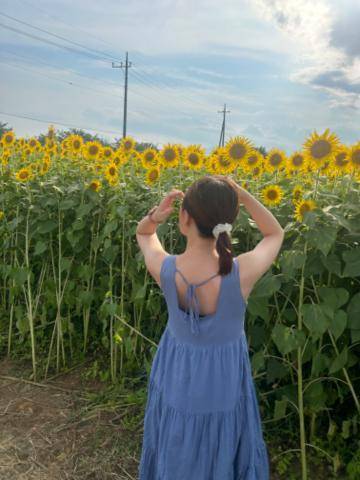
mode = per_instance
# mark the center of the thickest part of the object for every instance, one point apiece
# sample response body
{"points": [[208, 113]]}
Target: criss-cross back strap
{"points": [[192, 300], [196, 284]]}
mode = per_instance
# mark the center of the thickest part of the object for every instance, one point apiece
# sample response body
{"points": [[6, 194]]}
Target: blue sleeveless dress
{"points": [[202, 418]]}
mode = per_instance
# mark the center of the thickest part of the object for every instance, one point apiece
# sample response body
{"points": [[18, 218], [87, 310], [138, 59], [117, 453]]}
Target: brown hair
{"points": [[210, 200]]}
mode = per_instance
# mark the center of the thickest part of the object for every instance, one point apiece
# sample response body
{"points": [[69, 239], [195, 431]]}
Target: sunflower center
{"points": [[252, 159], [320, 149], [237, 151], [272, 194], [24, 175], [107, 153], [93, 149], [340, 159], [8, 138], [193, 158], [297, 160], [149, 156], [127, 145], [112, 171], [169, 154], [76, 144], [275, 159]]}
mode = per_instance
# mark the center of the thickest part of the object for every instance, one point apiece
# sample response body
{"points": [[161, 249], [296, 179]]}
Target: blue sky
{"points": [[284, 68]]}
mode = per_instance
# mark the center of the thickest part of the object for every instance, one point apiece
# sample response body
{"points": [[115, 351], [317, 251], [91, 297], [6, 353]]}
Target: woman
{"points": [[202, 417]]}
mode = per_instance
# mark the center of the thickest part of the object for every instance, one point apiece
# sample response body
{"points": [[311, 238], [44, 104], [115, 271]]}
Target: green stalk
{"points": [[29, 298], [300, 380]]}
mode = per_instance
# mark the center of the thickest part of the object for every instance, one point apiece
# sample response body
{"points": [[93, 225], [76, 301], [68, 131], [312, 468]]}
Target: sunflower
{"points": [[50, 146], [302, 207], [220, 162], [94, 185], [92, 150], [320, 148], [272, 194], [33, 144], [238, 148], [354, 158], [253, 160], [275, 160], [296, 162], [75, 143], [117, 158], [340, 160], [8, 138], [152, 175], [258, 171], [107, 153], [193, 157], [127, 144], [111, 171], [297, 192], [23, 175], [148, 157], [169, 155]]}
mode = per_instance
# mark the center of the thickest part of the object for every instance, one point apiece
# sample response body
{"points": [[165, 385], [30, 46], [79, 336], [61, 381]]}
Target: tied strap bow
{"points": [[193, 302]]}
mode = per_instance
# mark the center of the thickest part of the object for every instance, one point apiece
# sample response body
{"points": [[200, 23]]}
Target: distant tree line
{"points": [[88, 137]]}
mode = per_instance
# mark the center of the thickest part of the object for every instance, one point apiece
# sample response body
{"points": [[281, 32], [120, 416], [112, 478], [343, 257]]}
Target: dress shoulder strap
{"points": [[165, 272]]}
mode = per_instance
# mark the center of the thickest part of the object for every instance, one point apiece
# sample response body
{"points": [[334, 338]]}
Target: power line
{"points": [[163, 89], [66, 23], [52, 122], [134, 92], [99, 53], [21, 67], [168, 85], [161, 95], [112, 84], [49, 42]]}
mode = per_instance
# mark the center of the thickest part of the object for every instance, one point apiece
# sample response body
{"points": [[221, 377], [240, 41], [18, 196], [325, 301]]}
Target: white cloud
{"points": [[309, 27]]}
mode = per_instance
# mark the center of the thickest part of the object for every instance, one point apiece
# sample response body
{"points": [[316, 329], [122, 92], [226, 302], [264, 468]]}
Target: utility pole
{"points": [[222, 133], [126, 66]]}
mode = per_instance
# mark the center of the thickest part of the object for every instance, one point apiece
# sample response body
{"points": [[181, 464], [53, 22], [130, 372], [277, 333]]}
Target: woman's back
{"points": [[202, 417], [202, 420]]}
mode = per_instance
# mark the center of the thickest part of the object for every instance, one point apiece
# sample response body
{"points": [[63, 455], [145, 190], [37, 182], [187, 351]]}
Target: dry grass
{"points": [[59, 430]]}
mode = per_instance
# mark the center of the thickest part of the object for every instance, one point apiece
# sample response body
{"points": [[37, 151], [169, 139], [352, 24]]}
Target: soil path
{"points": [[55, 430]]}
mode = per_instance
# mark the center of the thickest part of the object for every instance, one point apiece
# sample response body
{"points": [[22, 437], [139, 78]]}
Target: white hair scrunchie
{"points": [[221, 227]]}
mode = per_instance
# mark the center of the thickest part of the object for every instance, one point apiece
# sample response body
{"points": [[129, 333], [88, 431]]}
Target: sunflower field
{"points": [[73, 281]]}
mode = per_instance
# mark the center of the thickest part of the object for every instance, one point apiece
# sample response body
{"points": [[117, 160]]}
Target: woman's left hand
{"points": [[165, 207]]}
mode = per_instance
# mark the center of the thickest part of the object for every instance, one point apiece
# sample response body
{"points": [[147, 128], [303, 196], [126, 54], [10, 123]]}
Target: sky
{"points": [[284, 69]]}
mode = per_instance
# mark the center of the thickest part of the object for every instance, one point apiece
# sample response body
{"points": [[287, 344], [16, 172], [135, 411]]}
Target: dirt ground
{"points": [[54, 430]]}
